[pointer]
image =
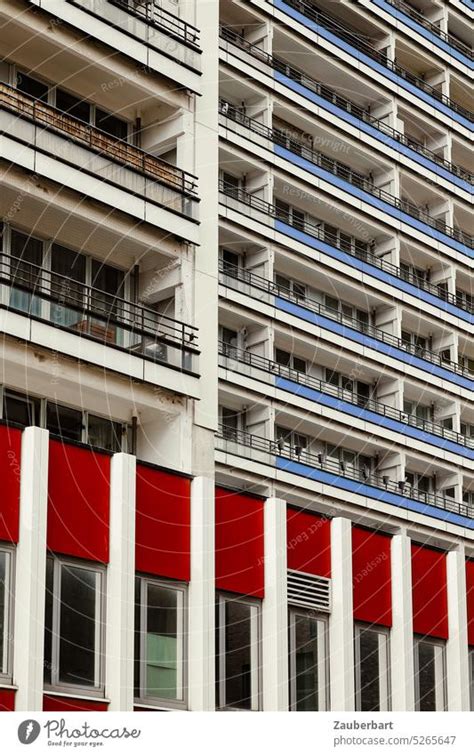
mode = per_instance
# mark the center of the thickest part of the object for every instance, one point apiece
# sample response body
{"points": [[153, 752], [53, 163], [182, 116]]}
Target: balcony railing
{"points": [[99, 141], [230, 276], [353, 38], [330, 95], [229, 437], [360, 250], [232, 357], [451, 40], [340, 170], [161, 19], [70, 305]]}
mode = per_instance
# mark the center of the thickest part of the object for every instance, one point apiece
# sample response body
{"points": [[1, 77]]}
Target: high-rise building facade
{"points": [[236, 307]]}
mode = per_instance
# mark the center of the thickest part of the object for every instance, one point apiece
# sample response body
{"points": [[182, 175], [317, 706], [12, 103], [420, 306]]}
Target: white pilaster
{"points": [[341, 623], [201, 597], [401, 636], [120, 601], [30, 571], [275, 608], [457, 661]]}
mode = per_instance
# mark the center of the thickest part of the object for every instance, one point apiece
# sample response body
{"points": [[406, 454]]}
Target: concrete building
{"points": [[236, 311]]}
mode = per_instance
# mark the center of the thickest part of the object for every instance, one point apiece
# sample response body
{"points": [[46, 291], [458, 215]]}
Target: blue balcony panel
{"points": [[387, 73], [369, 416], [361, 488], [373, 343]]}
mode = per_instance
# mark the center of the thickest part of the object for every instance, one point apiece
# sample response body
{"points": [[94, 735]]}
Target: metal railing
{"points": [[68, 304], [279, 448], [415, 15], [117, 150], [353, 38], [359, 250], [338, 169], [231, 355], [330, 95], [151, 12], [232, 273]]}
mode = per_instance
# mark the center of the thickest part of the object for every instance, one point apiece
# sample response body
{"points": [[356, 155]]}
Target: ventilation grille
{"points": [[309, 591]]}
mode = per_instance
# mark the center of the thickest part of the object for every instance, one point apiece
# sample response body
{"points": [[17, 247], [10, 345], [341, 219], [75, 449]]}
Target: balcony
{"points": [[340, 170], [418, 17], [333, 97], [96, 315], [266, 370], [140, 172], [332, 473], [260, 288], [360, 250], [161, 20], [355, 40]]}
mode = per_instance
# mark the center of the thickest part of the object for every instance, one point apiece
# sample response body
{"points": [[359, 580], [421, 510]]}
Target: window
{"points": [[289, 441], [160, 641], [73, 625], [467, 429], [6, 581], [20, 409], [113, 126], [430, 674], [360, 390], [371, 668], [229, 342], [420, 412], [63, 421], [238, 653], [465, 300], [28, 85], [308, 667], [230, 262], [413, 274], [230, 423], [290, 287], [421, 484], [230, 185], [347, 313], [290, 215], [414, 343], [289, 360], [350, 463], [72, 105]]}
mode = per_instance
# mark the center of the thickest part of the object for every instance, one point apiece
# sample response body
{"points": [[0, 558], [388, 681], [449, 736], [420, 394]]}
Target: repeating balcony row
{"points": [[256, 366], [161, 20], [358, 249], [281, 66], [341, 104], [89, 312], [279, 137], [284, 455], [179, 187], [352, 37], [276, 295]]}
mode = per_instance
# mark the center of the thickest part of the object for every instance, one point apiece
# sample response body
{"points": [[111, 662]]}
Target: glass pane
{"points": [[72, 105], [33, 87], [238, 655], [103, 433], [308, 664], [20, 409], [48, 621], [137, 636], [78, 663], [430, 677], [163, 643], [369, 671], [67, 287], [63, 421], [3, 612], [107, 283], [112, 125], [27, 254]]}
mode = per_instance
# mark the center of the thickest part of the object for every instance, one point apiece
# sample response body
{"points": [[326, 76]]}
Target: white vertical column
{"points": [[201, 597], [457, 660], [341, 623], [275, 608], [30, 571], [120, 608], [401, 635]]}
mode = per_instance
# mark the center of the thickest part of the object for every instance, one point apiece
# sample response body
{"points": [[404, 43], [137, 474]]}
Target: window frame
{"points": [[6, 676], [256, 697], [436, 642], [293, 613], [359, 628], [161, 702], [97, 689]]}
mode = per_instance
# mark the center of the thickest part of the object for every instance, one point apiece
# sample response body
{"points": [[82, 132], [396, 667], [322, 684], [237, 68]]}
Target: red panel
{"points": [[54, 704], [10, 462], [470, 601], [239, 543], [7, 699], [429, 591], [163, 534], [371, 576], [78, 509], [308, 542]]}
